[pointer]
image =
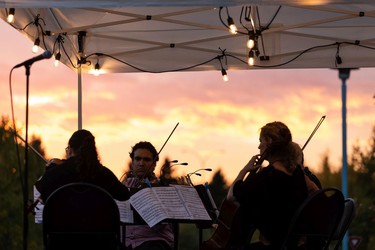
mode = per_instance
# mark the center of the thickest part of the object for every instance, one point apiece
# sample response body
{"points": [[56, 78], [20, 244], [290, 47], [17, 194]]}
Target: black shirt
{"points": [[59, 175], [268, 200]]}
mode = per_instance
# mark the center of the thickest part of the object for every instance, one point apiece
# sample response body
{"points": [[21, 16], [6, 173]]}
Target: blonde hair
{"points": [[298, 154], [281, 146]]}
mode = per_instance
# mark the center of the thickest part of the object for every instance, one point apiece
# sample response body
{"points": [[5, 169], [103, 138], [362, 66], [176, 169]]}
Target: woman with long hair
{"points": [[269, 196], [82, 164]]}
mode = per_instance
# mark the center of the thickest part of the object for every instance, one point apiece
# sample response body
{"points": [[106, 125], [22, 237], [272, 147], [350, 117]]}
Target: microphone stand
{"points": [[25, 187], [26, 165]]}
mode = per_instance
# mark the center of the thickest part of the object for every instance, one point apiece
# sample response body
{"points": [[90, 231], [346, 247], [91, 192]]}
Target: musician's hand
{"points": [[54, 162], [252, 164], [182, 181], [132, 182]]}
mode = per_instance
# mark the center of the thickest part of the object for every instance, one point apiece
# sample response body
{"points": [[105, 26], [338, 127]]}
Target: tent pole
{"points": [[79, 98], [344, 75]]}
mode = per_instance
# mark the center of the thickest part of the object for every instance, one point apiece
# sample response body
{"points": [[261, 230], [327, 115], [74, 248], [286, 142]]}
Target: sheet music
{"points": [[173, 202], [148, 206], [126, 213], [193, 202], [39, 208]]}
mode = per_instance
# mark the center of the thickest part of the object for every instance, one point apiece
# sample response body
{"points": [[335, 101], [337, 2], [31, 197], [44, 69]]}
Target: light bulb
{"points": [[250, 43], [232, 27], [250, 59], [97, 69], [36, 46], [10, 18], [224, 74], [57, 59]]}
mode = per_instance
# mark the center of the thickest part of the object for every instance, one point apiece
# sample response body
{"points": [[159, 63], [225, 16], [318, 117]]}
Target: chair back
{"points": [[316, 220], [81, 216], [346, 220]]}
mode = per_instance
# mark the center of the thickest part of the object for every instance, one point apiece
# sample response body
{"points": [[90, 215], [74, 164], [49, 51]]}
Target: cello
{"points": [[229, 230]]}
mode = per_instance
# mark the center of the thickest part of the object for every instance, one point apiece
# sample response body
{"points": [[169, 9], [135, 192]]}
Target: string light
{"points": [[97, 69], [57, 59], [10, 17], [231, 25], [223, 71], [36, 45], [250, 43], [250, 59], [225, 75]]}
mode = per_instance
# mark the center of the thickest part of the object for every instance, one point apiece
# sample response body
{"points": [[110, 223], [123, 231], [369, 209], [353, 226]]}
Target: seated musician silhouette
{"points": [[81, 165], [142, 237], [269, 196]]}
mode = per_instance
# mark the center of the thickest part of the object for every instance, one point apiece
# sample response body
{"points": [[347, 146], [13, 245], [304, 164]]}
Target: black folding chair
{"points": [[346, 220], [316, 220], [81, 216]]}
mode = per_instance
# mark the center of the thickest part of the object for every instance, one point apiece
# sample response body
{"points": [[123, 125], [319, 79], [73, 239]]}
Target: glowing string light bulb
{"points": [[225, 75], [10, 17], [36, 46], [250, 43], [232, 26], [97, 69], [250, 59], [57, 59]]}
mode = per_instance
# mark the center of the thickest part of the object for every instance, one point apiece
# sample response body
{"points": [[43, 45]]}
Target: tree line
{"points": [[361, 187]]}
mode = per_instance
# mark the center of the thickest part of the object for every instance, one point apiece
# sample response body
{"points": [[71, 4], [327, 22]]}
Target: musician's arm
{"points": [[249, 167]]}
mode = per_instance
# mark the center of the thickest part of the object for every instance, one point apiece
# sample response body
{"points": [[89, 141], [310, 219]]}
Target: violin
{"points": [[49, 164], [149, 170]]}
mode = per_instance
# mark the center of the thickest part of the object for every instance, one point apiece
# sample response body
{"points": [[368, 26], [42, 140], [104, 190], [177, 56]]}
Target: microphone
{"points": [[165, 171], [46, 55], [182, 163], [196, 173]]}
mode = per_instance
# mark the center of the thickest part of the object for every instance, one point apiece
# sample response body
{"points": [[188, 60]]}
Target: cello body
{"points": [[231, 233], [228, 228]]}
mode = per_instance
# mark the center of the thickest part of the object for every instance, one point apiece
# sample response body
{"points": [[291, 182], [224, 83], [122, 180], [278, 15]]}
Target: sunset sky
{"points": [[218, 122]]}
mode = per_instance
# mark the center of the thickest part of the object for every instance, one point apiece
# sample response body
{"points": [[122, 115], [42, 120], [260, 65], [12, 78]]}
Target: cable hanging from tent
{"points": [[224, 54], [253, 33], [39, 32]]}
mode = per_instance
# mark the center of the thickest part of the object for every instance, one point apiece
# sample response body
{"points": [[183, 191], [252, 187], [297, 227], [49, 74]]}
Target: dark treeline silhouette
{"points": [[361, 187], [11, 193]]}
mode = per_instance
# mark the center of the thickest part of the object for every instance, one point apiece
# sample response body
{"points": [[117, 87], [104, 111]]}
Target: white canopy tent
{"points": [[169, 36], [165, 36]]}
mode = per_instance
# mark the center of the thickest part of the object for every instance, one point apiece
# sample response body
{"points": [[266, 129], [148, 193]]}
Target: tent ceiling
{"points": [[165, 36]]}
